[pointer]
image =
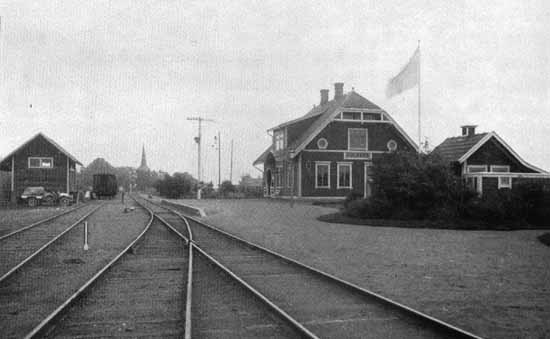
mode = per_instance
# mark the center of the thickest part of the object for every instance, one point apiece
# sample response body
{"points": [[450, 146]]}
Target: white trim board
{"points": [[510, 174], [503, 143]]}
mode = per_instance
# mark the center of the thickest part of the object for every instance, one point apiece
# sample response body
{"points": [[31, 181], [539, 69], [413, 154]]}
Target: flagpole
{"points": [[419, 102]]}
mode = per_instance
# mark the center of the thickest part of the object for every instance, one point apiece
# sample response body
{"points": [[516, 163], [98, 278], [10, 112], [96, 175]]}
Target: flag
{"points": [[407, 78]]}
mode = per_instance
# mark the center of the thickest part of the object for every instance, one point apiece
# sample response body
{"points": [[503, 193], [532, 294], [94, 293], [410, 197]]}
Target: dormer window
{"points": [[357, 139], [279, 137]]}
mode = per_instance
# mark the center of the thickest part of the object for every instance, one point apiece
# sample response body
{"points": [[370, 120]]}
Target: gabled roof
{"points": [[454, 148], [461, 148], [350, 100], [55, 144], [323, 115]]}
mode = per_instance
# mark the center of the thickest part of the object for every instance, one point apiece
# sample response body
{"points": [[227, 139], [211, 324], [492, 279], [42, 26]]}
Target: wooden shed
{"points": [[39, 162]]}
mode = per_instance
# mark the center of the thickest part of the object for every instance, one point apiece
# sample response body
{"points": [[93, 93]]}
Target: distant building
{"points": [[487, 163], [143, 173], [39, 162], [327, 152]]}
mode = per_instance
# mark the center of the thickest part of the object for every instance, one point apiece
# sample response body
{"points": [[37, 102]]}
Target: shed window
{"points": [[35, 162], [477, 168], [500, 169], [322, 175], [344, 175], [357, 139], [504, 182]]}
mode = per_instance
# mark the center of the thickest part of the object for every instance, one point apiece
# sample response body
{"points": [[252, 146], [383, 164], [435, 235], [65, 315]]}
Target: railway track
{"points": [[323, 305], [20, 246], [44, 283], [147, 293]]}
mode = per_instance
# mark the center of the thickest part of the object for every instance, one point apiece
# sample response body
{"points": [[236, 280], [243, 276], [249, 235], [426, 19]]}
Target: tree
{"points": [[226, 188]]}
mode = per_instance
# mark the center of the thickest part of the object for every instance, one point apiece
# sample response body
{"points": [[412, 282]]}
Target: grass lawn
{"points": [[493, 283]]}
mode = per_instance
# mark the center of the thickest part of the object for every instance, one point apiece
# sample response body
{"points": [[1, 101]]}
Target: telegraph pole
{"points": [[231, 164], [219, 145], [198, 141]]}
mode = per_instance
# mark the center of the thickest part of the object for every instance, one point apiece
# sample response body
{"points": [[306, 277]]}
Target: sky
{"points": [[103, 78]]}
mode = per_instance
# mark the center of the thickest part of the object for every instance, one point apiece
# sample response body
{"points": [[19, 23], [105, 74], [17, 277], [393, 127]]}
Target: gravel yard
{"points": [[14, 218], [46, 281], [493, 283]]}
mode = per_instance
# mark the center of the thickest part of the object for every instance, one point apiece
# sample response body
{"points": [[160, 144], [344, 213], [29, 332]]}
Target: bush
{"points": [[352, 196]]}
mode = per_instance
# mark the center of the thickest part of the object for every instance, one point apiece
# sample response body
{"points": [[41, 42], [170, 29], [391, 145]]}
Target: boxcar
{"points": [[105, 185]]}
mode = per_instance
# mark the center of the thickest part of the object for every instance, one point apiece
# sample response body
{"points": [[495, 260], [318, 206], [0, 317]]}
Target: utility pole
{"points": [[218, 144], [198, 141], [231, 164]]}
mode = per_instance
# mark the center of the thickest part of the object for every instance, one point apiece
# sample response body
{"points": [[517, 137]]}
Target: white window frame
{"points": [[322, 163], [342, 164], [366, 141], [40, 161], [501, 185], [506, 167], [470, 167], [279, 140]]}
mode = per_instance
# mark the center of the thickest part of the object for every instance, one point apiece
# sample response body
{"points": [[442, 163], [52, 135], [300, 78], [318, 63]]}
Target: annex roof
{"points": [[261, 159], [55, 144], [452, 149], [461, 148]]}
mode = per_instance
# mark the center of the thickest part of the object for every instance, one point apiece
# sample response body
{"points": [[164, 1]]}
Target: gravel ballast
{"points": [[46, 281], [493, 283]]}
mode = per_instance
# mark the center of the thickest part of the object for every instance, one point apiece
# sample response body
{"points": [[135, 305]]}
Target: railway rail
{"points": [[40, 222], [21, 246], [322, 305], [28, 295], [156, 266]]}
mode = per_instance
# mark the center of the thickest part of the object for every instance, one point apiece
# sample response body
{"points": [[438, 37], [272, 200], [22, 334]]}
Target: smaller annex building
{"points": [[327, 152], [487, 163], [38, 162]]}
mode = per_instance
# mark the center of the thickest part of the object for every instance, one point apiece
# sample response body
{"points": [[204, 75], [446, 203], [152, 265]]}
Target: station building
{"points": [[487, 163], [38, 162], [327, 152]]}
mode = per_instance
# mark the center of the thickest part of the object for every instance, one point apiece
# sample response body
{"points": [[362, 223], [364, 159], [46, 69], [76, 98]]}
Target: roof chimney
{"points": [[468, 130], [324, 96], [338, 90]]}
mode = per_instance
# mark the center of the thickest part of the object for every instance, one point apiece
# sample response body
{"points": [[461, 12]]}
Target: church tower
{"points": [[143, 166], [143, 173]]}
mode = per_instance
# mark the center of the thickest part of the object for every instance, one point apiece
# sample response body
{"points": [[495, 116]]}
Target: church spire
{"points": [[143, 165]]}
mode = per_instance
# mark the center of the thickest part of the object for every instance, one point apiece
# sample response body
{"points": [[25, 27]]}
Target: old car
{"points": [[34, 196]]}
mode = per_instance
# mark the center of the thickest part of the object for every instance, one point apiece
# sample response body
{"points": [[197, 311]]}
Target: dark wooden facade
{"points": [[305, 149], [487, 163], [26, 167]]}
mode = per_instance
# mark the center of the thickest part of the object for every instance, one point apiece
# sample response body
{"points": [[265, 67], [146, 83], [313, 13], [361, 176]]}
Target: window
{"points": [[322, 174], [279, 137], [504, 182], [357, 139], [344, 175], [35, 162], [322, 143], [392, 145], [477, 168], [372, 116], [500, 169], [351, 115]]}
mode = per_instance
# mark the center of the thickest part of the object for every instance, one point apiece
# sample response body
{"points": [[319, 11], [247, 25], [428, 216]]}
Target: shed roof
{"points": [[452, 149], [40, 134]]}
